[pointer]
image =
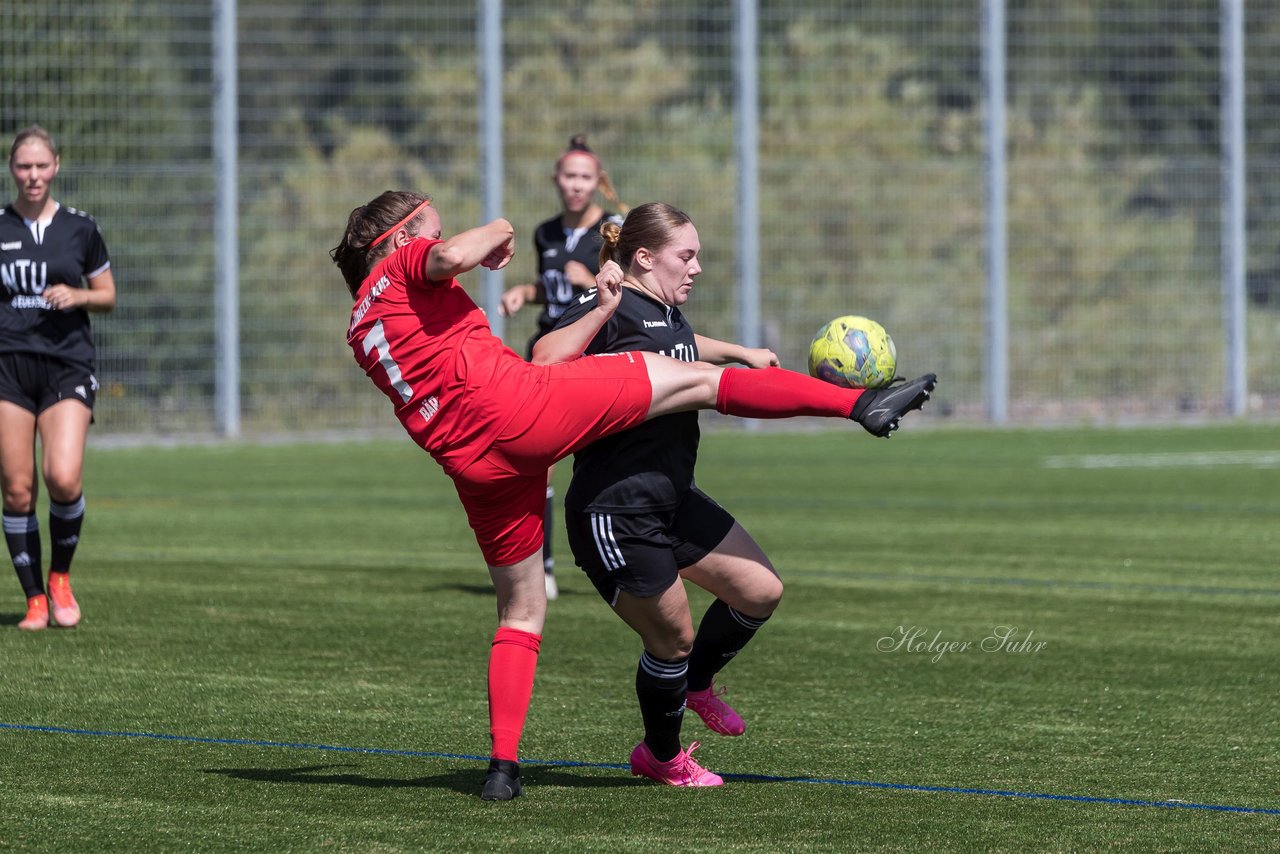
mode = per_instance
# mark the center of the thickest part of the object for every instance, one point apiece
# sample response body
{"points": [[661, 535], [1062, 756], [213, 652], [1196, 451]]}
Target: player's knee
{"points": [[671, 647], [63, 482], [19, 498], [765, 598], [708, 380]]}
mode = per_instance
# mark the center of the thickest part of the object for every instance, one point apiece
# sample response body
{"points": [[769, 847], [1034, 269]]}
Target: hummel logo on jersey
{"points": [[80, 391], [650, 324], [587, 297], [8, 247]]}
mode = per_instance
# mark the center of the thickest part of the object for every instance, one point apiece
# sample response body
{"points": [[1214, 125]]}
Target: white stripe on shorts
{"points": [[606, 545]]}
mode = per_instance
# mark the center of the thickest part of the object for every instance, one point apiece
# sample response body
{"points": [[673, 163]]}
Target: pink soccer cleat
{"points": [[680, 771], [718, 715], [62, 604]]}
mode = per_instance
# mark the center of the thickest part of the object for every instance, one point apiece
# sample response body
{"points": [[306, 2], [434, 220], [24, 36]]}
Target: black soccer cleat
{"points": [[879, 409], [502, 782]]}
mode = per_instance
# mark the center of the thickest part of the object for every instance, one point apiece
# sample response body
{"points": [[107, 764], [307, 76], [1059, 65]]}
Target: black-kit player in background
{"points": [[638, 524], [567, 249], [54, 270]]}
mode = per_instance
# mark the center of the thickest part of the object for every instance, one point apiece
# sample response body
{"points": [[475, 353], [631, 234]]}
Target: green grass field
{"points": [[284, 648]]}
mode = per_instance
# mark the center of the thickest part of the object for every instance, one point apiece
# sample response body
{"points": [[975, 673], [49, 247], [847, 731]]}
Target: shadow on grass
{"points": [[487, 590], [463, 780], [459, 780], [11, 619]]}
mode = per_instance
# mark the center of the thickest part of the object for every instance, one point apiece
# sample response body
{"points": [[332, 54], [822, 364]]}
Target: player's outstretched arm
{"points": [[565, 343], [719, 352], [490, 245]]}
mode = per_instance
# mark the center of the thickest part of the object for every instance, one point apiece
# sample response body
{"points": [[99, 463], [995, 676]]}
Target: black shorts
{"points": [[643, 553], [35, 381]]}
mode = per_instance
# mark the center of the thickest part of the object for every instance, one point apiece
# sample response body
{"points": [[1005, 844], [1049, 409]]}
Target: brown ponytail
{"points": [[610, 232], [607, 190]]}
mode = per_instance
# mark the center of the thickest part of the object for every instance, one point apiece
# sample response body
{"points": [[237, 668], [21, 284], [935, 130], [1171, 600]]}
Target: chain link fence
{"points": [[871, 156]]}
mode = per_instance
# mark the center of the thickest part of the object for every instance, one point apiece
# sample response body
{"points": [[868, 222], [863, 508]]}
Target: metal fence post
{"points": [[1234, 247], [226, 242], [490, 54], [993, 75]]}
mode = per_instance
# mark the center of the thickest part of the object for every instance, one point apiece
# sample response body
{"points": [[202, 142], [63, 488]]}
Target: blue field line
{"points": [[1015, 581], [613, 766]]}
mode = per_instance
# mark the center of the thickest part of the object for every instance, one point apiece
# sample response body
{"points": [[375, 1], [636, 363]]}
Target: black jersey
{"points": [[649, 467], [556, 247], [32, 257]]}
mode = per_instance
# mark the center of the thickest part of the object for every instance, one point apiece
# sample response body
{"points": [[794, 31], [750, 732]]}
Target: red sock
{"points": [[512, 660], [776, 393]]}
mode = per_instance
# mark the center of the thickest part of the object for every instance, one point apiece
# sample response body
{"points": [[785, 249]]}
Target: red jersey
{"points": [[428, 346]]}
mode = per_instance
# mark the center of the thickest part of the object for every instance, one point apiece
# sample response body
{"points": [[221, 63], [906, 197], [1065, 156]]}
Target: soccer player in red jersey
{"points": [[495, 423], [54, 270]]}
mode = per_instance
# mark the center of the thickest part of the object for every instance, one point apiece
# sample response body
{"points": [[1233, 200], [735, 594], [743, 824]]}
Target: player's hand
{"points": [[609, 287], [760, 357], [65, 297], [579, 275], [501, 255], [610, 275], [513, 299]]}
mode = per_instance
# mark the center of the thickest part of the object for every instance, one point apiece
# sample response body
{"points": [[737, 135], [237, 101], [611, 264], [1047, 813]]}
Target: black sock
{"points": [[548, 562], [22, 536], [64, 532], [722, 633], [660, 686]]}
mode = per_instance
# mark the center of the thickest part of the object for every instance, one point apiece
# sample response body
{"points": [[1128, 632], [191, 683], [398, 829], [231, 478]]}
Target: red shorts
{"points": [[505, 491]]}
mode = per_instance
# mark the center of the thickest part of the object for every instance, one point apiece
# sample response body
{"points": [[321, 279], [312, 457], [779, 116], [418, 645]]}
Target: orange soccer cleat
{"points": [[62, 602], [37, 614]]}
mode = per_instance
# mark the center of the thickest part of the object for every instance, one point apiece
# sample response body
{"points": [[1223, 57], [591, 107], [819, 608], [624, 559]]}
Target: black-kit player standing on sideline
{"points": [[638, 524], [54, 270], [567, 248]]}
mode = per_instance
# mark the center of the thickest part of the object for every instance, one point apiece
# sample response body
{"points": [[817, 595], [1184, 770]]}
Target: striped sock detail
{"points": [[24, 524], [661, 669], [606, 545], [73, 510], [746, 622]]}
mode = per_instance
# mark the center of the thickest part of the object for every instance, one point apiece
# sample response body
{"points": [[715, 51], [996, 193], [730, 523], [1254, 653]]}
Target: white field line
{"points": [[1190, 459]]}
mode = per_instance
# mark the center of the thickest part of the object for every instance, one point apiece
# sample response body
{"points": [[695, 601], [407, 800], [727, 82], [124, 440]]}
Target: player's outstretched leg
{"points": [[879, 409]]}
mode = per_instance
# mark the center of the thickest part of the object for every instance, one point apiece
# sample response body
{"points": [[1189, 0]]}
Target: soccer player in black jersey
{"points": [[54, 269], [567, 247], [638, 524]]}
